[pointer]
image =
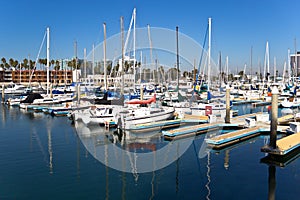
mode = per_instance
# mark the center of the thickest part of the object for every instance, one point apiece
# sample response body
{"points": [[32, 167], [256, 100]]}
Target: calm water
{"points": [[43, 157]]}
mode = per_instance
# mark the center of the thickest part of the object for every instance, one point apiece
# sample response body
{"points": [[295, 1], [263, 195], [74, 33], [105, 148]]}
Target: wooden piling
{"points": [[274, 118], [227, 118]]}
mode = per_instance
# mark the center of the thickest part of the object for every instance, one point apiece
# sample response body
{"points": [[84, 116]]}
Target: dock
{"points": [[239, 102], [284, 145], [168, 124], [194, 130], [236, 123], [261, 103], [224, 140]]}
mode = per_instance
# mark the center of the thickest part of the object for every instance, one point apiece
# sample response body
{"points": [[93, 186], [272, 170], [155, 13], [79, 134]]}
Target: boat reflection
{"points": [[139, 153]]}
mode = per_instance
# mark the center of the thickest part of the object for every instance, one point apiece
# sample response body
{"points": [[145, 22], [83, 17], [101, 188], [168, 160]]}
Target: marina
{"points": [[65, 163], [149, 112]]}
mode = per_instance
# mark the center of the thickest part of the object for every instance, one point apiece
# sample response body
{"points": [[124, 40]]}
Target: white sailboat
{"points": [[152, 112], [215, 107]]}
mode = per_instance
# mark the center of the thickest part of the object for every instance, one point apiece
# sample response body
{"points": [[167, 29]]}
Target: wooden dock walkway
{"points": [[261, 103], [284, 145], [223, 140], [236, 122], [168, 124], [194, 130]]}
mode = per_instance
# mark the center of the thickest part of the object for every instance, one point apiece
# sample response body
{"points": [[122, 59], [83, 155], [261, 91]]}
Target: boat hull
{"points": [[131, 122]]}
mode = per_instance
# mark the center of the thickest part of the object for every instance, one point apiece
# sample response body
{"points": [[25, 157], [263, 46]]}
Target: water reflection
{"points": [[141, 153], [272, 182], [274, 161]]}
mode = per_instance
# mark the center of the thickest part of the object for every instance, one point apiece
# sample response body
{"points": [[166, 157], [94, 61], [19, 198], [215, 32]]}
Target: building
{"points": [[56, 77], [295, 64]]}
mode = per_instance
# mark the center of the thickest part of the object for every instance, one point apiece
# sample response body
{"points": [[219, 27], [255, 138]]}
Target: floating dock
{"points": [[224, 140], [236, 123], [194, 130], [261, 103], [284, 146], [239, 102], [167, 124]]}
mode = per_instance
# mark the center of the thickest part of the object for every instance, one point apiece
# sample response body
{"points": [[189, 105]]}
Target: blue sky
{"points": [[236, 25]]}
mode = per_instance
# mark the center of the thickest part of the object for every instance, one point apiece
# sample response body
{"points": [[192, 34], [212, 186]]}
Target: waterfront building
{"points": [[57, 77], [295, 63]]}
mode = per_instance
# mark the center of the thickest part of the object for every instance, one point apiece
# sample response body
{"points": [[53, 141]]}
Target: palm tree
{"points": [[31, 64], [3, 60], [52, 62], [25, 63], [72, 63], [15, 64], [57, 66], [108, 68], [11, 62]]}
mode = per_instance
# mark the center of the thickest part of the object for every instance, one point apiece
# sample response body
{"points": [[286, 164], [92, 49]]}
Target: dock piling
{"points": [[227, 118], [274, 118]]}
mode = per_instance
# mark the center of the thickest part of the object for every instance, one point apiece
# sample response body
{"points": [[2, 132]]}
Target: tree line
{"points": [[27, 64]]}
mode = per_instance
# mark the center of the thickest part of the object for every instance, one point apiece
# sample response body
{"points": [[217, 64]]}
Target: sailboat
{"points": [[213, 104], [143, 111]]}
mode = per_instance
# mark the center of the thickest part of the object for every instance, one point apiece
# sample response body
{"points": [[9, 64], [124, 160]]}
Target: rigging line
{"points": [[200, 62], [36, 60]]}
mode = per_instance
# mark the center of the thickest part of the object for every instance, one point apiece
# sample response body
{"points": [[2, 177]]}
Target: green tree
{"points": [[11, 62], [3, 60], [25, 63], [74, 64], [15, 64], [31, 64], [52, 62], [57, 65]]}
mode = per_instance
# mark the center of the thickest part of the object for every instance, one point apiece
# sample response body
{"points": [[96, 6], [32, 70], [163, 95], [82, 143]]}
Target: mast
{"points": [[104, 55], [289, 65], [20, 71], [209, 53], [93, 65], [141, 86], [274, 69], [220, 68], [150, 43], [295, 63], [284, 73], [251, 65], [177, 60], [48, 57], [84, 64], [267, 62], [227, 70], [122, 70], [134, 60], [75, 49]]}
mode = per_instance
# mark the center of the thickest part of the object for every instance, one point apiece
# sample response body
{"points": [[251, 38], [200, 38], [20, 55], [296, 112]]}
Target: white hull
{"points": [[131, 121]]}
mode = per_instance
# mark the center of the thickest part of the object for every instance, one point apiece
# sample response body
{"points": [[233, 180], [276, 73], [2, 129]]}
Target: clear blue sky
{"points": [[236, 25]]}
